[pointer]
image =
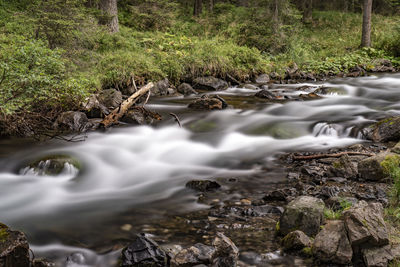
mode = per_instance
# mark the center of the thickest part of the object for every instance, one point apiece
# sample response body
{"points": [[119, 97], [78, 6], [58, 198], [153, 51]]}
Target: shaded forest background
{"points": [[54, 53]]}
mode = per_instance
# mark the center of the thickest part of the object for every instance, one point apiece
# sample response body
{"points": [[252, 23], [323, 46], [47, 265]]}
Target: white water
{"points": [[139, 167]]}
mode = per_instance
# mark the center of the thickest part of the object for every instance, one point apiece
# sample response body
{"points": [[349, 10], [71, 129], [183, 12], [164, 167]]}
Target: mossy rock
{"points": [[385, 130], [54, 164]]}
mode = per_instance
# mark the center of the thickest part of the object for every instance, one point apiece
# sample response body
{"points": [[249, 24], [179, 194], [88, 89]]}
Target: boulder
{"points": [[344, 167], [377, 257], [162, 88], [265, 94], [370, 168], [144, 252], [262, 79], [209, 83], [303, 213], [385, 130], [93, 108], [72, 121], [227, 254], [197, 254], [383, 65], [331, 245], [365, 225], [52, 165], [250, 86], [14, 248], [203, 185], [140, 116], [208, 103], [186, 89], [110, 98], [296, 240]]}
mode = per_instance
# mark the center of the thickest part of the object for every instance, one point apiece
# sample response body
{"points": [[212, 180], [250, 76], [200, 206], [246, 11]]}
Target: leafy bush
{"points": [[391, 166]]}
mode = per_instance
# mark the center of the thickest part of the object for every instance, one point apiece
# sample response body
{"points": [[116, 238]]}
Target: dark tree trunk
{"points": [[366, 26], [110, 10], [276, 16], [307, 11], [198, 7], [211, 6]]}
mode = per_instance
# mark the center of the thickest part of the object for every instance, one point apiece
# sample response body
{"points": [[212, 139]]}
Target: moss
{"points": [[307, 251], [278, 227], [337, 165], [332, 215], [3, 233]]}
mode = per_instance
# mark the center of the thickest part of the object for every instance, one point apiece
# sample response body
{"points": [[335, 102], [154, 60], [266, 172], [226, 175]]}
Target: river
{"points": [[134, 175]]}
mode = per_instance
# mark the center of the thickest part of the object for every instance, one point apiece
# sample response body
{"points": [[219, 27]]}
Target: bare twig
{"points": [[147, 98], [176, 119], [335, 155]]}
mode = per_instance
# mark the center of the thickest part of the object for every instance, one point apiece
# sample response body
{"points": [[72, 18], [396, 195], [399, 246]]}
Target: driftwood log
{"points": [[335, 155], [119, 112]]}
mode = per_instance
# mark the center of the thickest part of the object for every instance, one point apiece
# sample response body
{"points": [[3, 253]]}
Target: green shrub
{"points": [[391, 166]]}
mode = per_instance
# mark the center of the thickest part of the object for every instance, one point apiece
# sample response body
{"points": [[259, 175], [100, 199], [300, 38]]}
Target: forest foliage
{"points": [[53, 53]]}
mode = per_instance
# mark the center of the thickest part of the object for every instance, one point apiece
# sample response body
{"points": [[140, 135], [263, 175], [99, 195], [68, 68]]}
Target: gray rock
{"points": [[303, 213], [259, 211], [250, 86], [262, 79], [295, 241], [227, 254], [186, 89], [52, 165], [203, 185], [161, 88], [385, 130], [377, 257], [365, 225], [370, 168], [396, 148], [344, 167], [14, 248], [140, 116], [265, 94], [197, 254], [208, 103], [72, 121], [331, 245], [209, 83], [93, 108], [110, 98], [42, 263], [144, 252]]}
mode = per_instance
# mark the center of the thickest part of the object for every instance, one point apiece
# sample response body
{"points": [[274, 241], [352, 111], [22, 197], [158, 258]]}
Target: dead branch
{"points": [[176, 119], [334, 155], [147, 99], [117, 113]]}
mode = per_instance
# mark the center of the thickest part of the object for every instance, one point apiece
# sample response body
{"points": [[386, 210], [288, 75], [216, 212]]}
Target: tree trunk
{"points": [[198, 7], [366, 26], [276, 16], [110, 10], [307, 11], [211, 6]]}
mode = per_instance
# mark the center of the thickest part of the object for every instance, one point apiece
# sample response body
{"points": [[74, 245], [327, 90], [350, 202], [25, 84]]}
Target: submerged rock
{"points": [[303, 213], [14, 248], [144, 252], [208, 103], [72, 121], [186, 89], [203, 185], [209, 83], [331, 245], [110, 98], [365, 225], [295, 241], [197, 254]]}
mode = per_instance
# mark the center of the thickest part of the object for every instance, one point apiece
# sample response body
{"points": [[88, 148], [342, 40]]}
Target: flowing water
{"points": [[142, 171]]}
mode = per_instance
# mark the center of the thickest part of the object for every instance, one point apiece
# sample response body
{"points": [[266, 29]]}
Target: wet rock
{"points": [[141, 116], [385, 130], [203, 185], [110, 98], [251, 258], [262, 79], [365, 225], [370, 168], [250, 86], [208, 103], [331, 245], [227, 254], [296, 240], [144, 252], [42, 263], [232, 80], [14, 248], [259, 211], [52, 165], [281, 194], [186, 89], [197, 254], [161, 88], [377, 257], [93, 108], [72, 121], [265, 94], [344, 167], [303, 213], [310, 96], [209, 83], [357, 71]]}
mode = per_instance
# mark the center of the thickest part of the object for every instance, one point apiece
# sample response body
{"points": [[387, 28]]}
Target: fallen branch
{"points": [[335, 155], [176, 119], [119, 112]]}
